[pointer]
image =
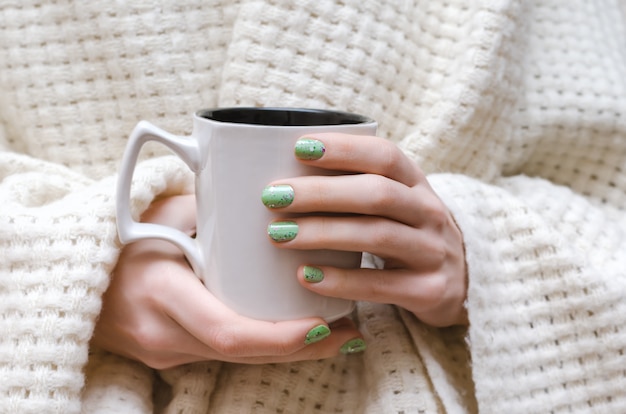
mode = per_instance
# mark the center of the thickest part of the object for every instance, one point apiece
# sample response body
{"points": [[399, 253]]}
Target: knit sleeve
{"points": [[58, 245], [529, 156], [546, 292]]}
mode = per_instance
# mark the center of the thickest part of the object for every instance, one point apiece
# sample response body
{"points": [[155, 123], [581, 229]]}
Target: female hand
{"points": [[396, 215], [157, 311]]}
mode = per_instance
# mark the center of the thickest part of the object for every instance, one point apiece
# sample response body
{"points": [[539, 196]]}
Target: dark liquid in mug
{"points": [[282, 116]]}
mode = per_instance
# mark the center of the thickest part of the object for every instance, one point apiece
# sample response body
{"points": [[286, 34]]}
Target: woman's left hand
{"points": [[388, 209]]}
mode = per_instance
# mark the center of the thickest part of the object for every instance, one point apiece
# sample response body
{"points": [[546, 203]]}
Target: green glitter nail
{"points": [[316, 334], [309, 149], [313, 274], [282, 231], [277, 196], [353, 346]]}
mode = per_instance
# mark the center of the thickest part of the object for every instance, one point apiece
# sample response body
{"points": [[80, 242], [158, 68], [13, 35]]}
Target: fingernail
{"points": [[282, 231], [313, 274], [277, 196], [353, 346], [316, 334], [309, 149]]}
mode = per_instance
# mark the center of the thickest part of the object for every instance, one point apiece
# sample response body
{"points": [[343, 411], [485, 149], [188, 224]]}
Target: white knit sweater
{"points": [[515, 109]]}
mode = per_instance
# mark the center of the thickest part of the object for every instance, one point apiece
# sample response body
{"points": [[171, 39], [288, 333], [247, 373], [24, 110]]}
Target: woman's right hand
{"points": [[157, 311]]}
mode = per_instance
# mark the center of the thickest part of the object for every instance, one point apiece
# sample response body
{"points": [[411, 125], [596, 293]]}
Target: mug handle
{"points": [[128, 229]]}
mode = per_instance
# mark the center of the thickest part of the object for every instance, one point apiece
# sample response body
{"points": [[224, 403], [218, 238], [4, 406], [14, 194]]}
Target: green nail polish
{"points": [[309, 149], [277, 196], [316, 334], [282, 231], [313, 274], [353, 346]]}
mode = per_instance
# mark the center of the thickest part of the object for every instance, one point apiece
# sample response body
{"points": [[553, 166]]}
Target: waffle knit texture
{"points": [[516, 110]]}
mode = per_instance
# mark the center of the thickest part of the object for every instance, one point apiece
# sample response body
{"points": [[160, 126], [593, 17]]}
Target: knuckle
{"points": [[391, 157], [434, 294], [226, 342], [382, 195], [436, 212], [326, 227], [318, 194], [438, 289], [149, 339], [380, 286], [152, 348], [232, 345], [437, 251], [321, 233], [384, 235], [286, 347]]}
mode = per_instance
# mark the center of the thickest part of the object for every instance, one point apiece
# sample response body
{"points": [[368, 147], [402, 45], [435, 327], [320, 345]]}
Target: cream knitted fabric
{"points": [[515, 109]]}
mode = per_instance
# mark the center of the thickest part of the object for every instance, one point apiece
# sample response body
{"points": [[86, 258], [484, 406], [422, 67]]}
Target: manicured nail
{"points": [[309, 149], [353, 346], [316, 334], [313, 274], [282, 231], [277, 196]]}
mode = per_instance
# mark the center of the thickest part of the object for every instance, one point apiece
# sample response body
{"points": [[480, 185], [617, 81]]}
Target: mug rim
{"points": [[281, 116]]}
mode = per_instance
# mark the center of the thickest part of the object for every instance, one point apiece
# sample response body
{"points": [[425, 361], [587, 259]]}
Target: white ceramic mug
{"points": [[235, 153]]}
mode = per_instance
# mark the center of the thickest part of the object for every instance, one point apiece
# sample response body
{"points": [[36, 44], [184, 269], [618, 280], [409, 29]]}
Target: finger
{"points": [[178, 212], [228, 336], [179, 347], [200, 327], [364, 154], [343, 339], [158, 340], [367, 194], [387, 239], [417, 292]]}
